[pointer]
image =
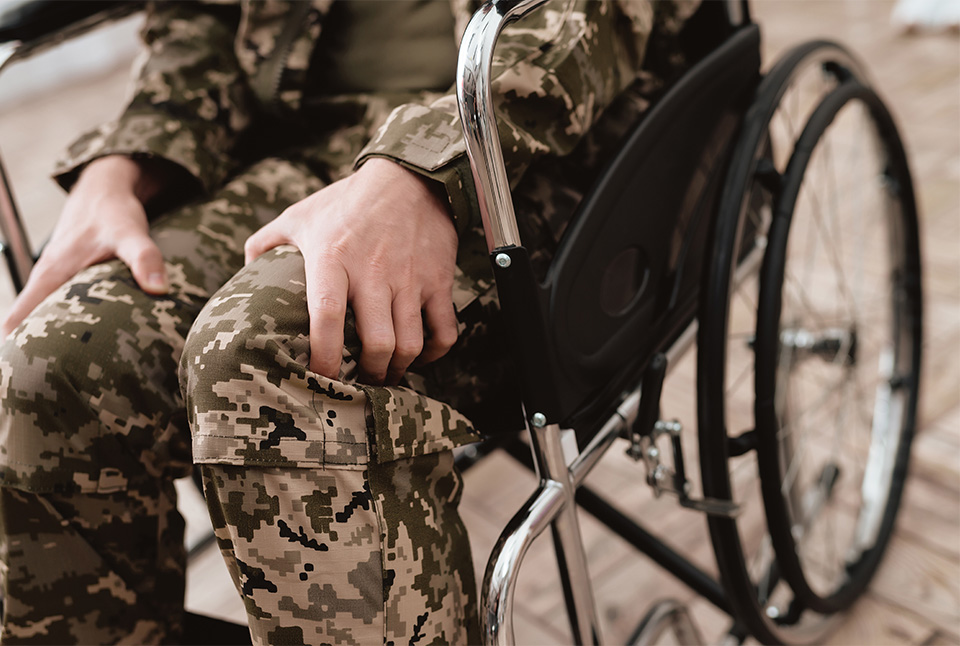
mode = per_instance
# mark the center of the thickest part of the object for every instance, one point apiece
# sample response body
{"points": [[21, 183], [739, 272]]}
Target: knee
{"points": [[249, 395], [47, 425], [41, 378], [105, 346], [256, 323], [89, 381]]}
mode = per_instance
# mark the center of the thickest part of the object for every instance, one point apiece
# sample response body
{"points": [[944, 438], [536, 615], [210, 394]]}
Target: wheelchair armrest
{"points": [[475, 103]]}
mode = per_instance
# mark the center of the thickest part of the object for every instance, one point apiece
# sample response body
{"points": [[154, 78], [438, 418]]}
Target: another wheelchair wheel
{"points": [[785, 99], [838, 349]]}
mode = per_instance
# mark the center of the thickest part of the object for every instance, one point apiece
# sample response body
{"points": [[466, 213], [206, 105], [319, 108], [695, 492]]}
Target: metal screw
{"points": [[673, 427], [773, 612], [539, 420], [503, 260], [653, 453]]}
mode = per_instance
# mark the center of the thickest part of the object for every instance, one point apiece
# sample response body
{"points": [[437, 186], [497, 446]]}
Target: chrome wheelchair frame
{"points": [[725, 245], [533, 311]]}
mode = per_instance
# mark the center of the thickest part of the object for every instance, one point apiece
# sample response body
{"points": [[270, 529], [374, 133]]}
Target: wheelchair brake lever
{"points": [[643, 435]]}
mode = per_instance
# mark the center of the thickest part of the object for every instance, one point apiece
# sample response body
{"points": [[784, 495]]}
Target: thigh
{"points": [[89, 396], [202, 243]]}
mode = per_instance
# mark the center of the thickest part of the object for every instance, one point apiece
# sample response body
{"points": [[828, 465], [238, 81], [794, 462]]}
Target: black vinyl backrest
{"points": [[626, 273]]}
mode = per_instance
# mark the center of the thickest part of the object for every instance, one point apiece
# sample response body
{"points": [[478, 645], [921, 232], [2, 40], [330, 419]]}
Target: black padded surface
{"points": [[31, 19], [625, 279]]}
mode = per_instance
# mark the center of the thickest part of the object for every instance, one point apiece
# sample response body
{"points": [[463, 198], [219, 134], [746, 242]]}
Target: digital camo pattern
{"points": [[88, 383], [362, 555], [90, 405], [213, 69], [92, 569], [355, 482], [89, 397], [252, 400]]}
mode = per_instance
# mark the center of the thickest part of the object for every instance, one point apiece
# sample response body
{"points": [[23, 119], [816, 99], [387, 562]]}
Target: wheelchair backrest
{"points": [[624, 281]]}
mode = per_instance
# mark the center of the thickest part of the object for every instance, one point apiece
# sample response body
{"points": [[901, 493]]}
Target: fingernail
{"points": [[158, 282]]}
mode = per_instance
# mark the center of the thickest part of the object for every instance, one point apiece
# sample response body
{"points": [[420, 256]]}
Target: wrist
{"points": [[425, 187], [121, 174]]}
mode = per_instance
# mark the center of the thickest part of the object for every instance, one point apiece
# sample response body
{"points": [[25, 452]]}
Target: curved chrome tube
{"points": [[552, 500], [475, 102], [500, 580]]}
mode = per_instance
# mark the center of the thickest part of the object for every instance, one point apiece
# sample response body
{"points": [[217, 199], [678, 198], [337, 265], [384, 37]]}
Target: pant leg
{"points": [[92, 568], [93, 429], [335, 503]]}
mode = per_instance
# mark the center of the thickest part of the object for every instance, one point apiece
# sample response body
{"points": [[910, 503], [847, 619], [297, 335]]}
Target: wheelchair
{"points": [[766, 219]]}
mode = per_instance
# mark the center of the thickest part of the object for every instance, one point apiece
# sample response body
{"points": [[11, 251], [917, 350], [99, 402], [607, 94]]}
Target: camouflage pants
{"points": [[334, 504]]}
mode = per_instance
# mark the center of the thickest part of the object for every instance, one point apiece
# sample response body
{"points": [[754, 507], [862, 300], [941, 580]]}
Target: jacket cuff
{"points": [[457, 181], [428, 141], [426, 137], [149, 135]]}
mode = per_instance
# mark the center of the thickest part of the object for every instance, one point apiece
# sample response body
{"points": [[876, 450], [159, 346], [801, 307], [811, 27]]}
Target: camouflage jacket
{"points": [[211, 69]]}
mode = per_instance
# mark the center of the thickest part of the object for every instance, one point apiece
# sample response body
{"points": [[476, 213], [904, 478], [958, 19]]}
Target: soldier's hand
{"points": [[383, 242], [103, 218]]}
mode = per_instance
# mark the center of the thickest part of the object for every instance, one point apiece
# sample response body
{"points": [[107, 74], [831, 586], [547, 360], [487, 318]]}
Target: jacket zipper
{"points": [[267, 83]]}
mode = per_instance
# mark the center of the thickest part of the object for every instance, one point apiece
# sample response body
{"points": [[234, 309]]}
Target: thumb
{"points": [[141, 254], [263, 241]]}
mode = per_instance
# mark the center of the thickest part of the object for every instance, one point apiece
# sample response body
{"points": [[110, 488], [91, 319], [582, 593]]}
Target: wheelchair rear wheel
{"points": [[730, 457], [838, 349]]}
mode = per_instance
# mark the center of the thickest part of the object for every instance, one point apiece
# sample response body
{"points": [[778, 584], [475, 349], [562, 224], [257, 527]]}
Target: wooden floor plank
{"points": [[922, 581], [876, 622]]}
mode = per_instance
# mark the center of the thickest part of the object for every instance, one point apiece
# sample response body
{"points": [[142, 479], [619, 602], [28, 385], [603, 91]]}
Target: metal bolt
{"points": [[653, 453], [539, 419], [503, 260], [773, 612]]}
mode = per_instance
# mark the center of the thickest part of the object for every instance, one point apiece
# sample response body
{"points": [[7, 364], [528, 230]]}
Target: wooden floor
{"points": [[915, 598]]}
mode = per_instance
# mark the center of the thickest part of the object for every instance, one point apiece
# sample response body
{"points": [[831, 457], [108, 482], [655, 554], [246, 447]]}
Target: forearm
{"points": [[554, 74], [189, 103], [145, 179]]}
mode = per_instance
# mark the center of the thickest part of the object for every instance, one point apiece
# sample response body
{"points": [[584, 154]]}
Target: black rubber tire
{"points": [[747, 184], [784, 366]]}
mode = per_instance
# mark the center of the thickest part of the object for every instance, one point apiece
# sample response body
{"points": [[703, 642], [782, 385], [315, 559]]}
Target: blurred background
{"points": [[49, 100]]}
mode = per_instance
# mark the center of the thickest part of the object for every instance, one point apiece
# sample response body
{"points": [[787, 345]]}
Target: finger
{"points": [[263, 241], [43, 281], [327, 285], [141, 254], [408, 330], [442, 332], [373, 308]]}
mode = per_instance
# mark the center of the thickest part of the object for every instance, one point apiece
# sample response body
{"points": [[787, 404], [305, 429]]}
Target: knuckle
{"points": [[446, 336], [410, 348], [379, 345], [338, 252], [327, 307]]}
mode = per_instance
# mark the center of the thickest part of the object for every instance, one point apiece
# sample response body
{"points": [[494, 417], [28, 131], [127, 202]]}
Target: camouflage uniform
{"points": [[334, 503]]}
